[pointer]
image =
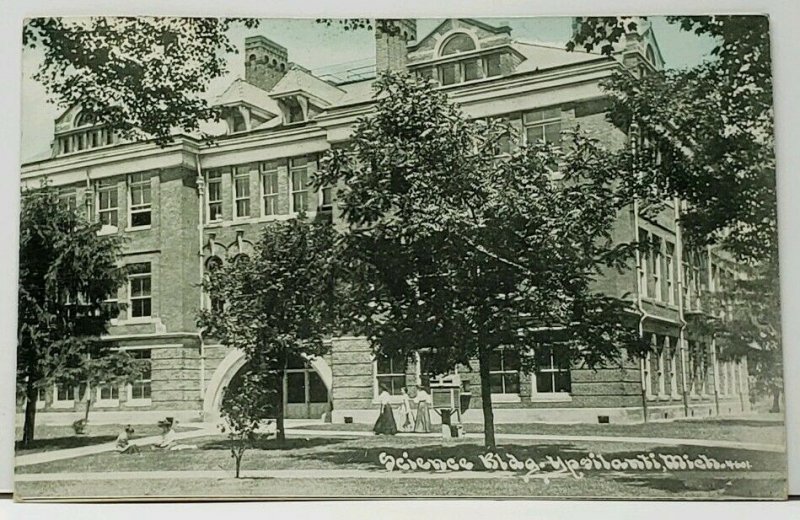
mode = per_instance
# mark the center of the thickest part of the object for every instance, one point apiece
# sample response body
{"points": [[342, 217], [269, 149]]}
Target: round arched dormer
{"points": [[457, 43]]}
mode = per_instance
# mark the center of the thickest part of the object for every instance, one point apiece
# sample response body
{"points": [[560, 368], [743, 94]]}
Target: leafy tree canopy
{"points": [[140, 76], [462, 251], [66, 274], [278, 304]]}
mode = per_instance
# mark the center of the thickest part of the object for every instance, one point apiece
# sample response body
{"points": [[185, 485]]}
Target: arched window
{"points": [[84, 119], [241, 257], [212, 264], [456, 44], [650, 55]]}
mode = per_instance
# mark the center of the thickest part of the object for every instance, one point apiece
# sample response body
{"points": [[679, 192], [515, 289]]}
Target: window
{"points": [[671, 345], [139, 187], [472, 69], [504, 371], [456, 44], [41, 397], [139, 290], [552, 372], [391, 373], [543, 126], [449, 73], [140, 389], [214, 195], [492, 65], [213, 263], [107, 203], [269, 188], [241, 192], [299, 176], [108, 392], [670, 264], [643, 256], [326, 197], [662, 366], [303, 384], [64, 396], [657, 280], [69, 198]]}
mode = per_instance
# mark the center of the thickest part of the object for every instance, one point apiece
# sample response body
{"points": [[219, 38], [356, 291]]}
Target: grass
{"points": [[51, 437], [729, 429], [767, 478], [204, 489]]}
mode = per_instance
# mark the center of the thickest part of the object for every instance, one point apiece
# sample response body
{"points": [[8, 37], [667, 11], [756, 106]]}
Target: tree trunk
{"points": [[88, 406], [776, 400], [30, 414], [237, 457], [486, 399], [280, 434]]}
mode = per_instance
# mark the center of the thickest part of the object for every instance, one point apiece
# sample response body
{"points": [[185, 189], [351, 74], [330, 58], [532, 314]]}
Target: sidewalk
{"points": [[202, 430]]}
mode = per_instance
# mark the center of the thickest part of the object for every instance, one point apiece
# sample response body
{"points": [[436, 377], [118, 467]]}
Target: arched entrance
{"points": [[306, 386]]}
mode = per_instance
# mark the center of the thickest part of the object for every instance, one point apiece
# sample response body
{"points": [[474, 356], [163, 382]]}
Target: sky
{"points": [[317, 46]]}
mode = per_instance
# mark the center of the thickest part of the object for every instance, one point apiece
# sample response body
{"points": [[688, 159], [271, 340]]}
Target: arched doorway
{"points": [[307, 386]]}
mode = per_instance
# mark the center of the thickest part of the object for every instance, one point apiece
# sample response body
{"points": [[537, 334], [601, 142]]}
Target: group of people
{"points": [[168, 441], [419, 421]]}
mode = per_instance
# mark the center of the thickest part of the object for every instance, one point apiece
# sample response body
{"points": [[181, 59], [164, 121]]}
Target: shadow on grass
{"points": [[709, 486], [62, 443], [273, 444]]}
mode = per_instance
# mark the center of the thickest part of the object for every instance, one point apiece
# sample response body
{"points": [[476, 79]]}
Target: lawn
{"points": [[765, 479], [51, 437], [727, 429]]}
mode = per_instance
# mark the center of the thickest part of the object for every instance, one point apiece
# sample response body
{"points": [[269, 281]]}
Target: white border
{"points": [[785, 18]]}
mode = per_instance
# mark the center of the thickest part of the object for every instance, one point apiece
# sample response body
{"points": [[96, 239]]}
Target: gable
{"points": [[484, 36]]}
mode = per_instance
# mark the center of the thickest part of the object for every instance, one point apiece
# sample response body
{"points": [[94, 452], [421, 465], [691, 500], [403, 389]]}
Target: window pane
{"points": [[492, 65], [511, 381], [449, 73], [534, 134], [563, 382], [496, 382], [295, 387], [317, 391], [544, 382], [552, 133], [495, 361], [457, 43], [140, 219], [472, 70]]}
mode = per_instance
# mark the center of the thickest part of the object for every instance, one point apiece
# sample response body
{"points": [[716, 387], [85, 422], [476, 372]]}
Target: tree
{"points": [[457, 250], [711, 126], [244, 406], [97, 369], [278, 304], [139, 76], [66, 274]]}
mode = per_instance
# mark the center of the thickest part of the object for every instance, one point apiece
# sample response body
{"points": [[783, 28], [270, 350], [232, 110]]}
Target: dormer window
{"points": [[81, 133], [457, 43], [294, 111]]}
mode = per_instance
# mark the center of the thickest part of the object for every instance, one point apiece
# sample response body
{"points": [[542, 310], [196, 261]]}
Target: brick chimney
{"points": [[391, 40], [265, 63]]}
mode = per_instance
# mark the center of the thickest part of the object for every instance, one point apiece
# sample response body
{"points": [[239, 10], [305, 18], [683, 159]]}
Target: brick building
{"points": [[189, 204]]}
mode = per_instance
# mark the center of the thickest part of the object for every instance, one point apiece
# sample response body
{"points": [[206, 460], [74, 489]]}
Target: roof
{"points": [[300, 79], [544, 56], [241, 91]]}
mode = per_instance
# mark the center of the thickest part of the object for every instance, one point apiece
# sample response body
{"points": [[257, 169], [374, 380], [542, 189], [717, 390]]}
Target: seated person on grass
{"points": [[168, 437], [123, 441]]}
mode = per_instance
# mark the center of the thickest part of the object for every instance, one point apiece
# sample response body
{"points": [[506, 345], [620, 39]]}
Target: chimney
{"points": [[265, 62], [391, 40]]}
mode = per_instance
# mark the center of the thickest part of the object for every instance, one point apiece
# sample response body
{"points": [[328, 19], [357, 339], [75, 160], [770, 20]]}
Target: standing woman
{"points": [[424, 402], [385, 424], [406, 410]]}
